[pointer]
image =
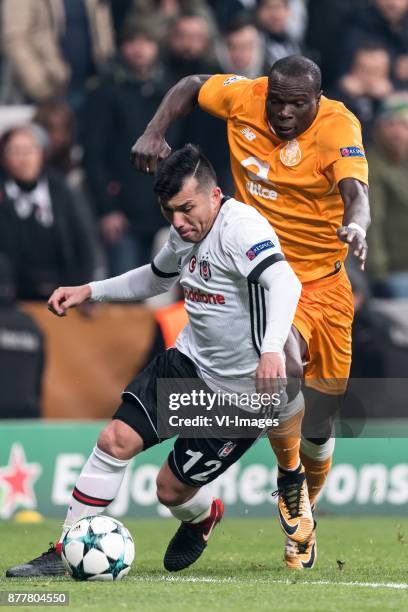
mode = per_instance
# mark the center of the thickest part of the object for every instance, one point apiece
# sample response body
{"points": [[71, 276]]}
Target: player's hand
{"points": [[148, 150], [113, 226], [271, 373], [357, 242], [67, 297]]}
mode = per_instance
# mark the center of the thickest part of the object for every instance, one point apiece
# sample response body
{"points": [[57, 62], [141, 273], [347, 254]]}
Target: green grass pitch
{"points": [[362, 565]]}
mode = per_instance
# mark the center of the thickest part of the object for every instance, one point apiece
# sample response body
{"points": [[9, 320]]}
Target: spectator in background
{"points": [[163, 12], [54, 47], [326, 24], [366, 84], [227, 10], [166, 8], [241, 49], [371, 329], [40, 231], [120, 107], [387, 262], [64, 155], [298, 19], [273, 19], [21, 354], [384, 22], [120, 10], [57, 119], [189, 49]]}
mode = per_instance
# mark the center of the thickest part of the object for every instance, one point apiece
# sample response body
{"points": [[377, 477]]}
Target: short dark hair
{"points": [[138, 28], [35, 130], [178, 167], [238, 22], [368, 45], [298, 66], [187, 13]]}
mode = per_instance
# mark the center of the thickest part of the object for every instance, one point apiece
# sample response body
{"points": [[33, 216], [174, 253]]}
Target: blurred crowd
{"points": [[80, 79]]}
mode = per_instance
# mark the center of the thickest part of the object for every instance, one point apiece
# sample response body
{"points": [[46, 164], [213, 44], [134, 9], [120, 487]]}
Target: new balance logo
{"points": [[249, 134]]}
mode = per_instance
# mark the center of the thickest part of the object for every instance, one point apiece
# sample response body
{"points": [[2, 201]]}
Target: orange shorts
{"points": [[324, 318]]}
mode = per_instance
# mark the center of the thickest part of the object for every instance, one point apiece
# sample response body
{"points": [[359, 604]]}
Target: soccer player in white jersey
{"points": [[228, 260]]}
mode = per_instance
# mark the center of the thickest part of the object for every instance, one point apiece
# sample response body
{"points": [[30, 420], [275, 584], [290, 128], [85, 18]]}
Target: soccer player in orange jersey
{"points": [[298, 158]]}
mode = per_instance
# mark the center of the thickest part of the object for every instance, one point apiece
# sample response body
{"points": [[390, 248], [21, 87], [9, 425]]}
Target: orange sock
{"points": [[316, 474], [285, 441]]}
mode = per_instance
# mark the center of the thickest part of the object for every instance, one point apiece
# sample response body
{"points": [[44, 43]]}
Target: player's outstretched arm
{"points": [[179, 101], [135, 285], [356, 218]]}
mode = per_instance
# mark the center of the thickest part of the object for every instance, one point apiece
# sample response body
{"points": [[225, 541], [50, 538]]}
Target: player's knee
{"points": [[168, 496], [170, 493], [119, 440]]}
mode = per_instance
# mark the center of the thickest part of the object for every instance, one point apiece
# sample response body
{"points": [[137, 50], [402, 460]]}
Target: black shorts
{"points": [[194, 461]]}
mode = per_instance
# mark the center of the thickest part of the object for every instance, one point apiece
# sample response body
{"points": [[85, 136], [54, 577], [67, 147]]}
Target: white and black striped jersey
{"points": [[225, 304]]}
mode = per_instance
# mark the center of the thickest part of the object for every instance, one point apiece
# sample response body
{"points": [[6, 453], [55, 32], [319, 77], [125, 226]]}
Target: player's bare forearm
{"points": [[356, 217], [179, 101], [356, 203]]}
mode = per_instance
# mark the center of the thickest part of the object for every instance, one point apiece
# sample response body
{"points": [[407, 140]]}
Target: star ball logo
{"points": [[16, 482]]}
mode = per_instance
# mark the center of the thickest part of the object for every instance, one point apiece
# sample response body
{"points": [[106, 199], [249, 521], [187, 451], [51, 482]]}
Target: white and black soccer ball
{"points": [[98, 548]]}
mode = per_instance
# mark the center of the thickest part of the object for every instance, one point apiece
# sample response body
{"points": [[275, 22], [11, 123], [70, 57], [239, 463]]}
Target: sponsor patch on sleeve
{"points": [[258, 248], [352, 152], [234, 79]]}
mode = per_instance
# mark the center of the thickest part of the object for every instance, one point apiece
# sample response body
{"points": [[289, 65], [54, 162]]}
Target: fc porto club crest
{"points": [[205, 270], [291, 154]]}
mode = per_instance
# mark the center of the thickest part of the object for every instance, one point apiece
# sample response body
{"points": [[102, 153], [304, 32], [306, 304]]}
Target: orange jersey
{"points": [[293, 184]]}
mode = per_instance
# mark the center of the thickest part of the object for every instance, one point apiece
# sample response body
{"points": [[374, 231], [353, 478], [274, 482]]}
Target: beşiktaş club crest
{"points": [[226, 449], [205, 270], [291, 154]]}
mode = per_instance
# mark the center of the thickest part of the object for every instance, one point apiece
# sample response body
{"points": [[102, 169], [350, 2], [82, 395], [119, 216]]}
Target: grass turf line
{"points": [[242, 567]]}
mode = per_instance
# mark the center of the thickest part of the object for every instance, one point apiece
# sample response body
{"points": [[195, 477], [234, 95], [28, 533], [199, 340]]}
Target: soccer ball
{"points": [[98, 548]]}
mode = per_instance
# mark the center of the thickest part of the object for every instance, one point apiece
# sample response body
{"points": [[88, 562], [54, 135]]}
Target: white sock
{"points": [[96, 487], [195, 509], [319, 452]]}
